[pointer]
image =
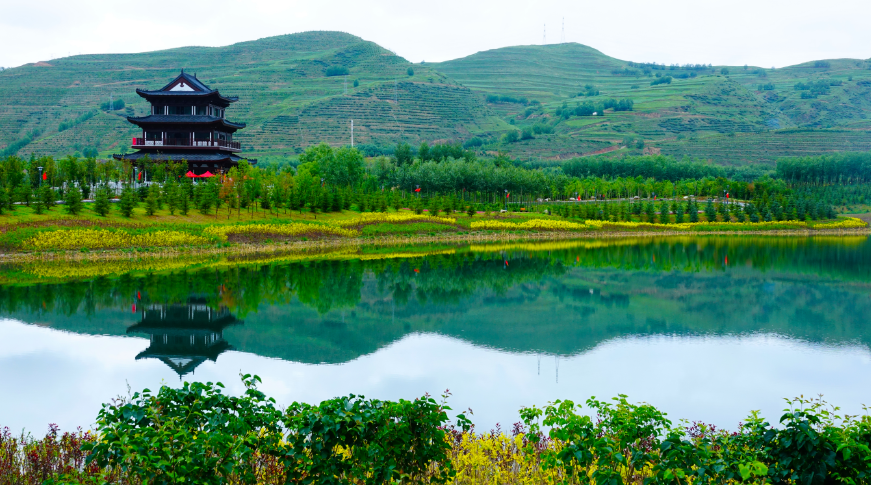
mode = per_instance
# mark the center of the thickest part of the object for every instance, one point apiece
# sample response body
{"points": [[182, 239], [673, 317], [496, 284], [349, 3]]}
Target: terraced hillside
{"points": [[728, 114], [285, 96]]}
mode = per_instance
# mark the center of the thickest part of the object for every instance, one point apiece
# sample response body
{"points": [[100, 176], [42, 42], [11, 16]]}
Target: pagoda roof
{"points": [[182, 359], [186, 85], [184, 120], [183, 155]]}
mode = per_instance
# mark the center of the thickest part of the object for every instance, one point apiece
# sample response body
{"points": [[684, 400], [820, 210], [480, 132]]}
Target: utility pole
{"points": [[346, 85], [544, 35], [352, 133]]}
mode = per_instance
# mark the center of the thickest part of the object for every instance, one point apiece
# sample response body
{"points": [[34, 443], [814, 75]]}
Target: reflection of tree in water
{"points": [[559, 301], [184, 336]]}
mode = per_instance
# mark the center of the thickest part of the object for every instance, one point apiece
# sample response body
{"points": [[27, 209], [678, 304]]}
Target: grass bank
{"points": [[27, 236]]}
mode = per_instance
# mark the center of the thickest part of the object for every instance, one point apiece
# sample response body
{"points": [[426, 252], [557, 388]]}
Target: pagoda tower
{"points": [[183, 336], [187, 123]]}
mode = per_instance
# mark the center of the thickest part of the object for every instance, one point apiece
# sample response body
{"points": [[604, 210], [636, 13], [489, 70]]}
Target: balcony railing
{"points": [[142, 142]]}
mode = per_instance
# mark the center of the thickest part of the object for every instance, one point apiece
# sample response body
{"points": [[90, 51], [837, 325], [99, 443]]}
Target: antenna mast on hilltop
{"points": [[544, 35], [563, 36]]}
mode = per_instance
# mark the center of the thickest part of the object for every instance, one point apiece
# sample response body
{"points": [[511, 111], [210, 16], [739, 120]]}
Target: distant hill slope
{"points": [[285, 96], [743, 114], [727, 114]]}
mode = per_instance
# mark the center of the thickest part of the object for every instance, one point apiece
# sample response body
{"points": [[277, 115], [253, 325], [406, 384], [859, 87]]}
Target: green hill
{"points": [[285, 96], [727, 114]]}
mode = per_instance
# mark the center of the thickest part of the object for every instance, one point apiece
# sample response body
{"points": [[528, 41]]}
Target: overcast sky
{"points": [[735, 32]]}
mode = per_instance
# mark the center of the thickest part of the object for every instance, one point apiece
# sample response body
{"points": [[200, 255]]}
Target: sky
{"points": [[761, 33]]}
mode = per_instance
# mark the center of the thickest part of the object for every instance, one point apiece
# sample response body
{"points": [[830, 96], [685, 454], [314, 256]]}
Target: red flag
{"points": [[727, 260], [417, 189], [508, 195], [579, 198], [139, 177], [416, 270], [506, 263], [138, 295], [727, 195], [45, 176]]}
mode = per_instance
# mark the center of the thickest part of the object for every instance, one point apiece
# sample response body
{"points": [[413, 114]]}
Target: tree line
{"points": [[330, 178], [837, 169]]}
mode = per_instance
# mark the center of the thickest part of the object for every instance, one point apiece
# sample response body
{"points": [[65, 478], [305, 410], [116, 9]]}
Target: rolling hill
{"points": [[727, 114], [285, 96]]}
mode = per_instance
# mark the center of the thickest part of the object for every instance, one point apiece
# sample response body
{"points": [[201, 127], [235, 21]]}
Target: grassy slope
{"points": [[725, 118], [285, 96], [289, 103]]}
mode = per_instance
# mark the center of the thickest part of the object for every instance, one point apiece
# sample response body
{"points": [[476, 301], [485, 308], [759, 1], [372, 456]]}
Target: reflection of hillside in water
{"points": [[562, 301]]}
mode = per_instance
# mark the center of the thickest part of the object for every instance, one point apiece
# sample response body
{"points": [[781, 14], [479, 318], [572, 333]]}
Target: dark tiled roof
{"points": [[229, 99], [178, 156], [183, 119], [201, 89], [192, 80]]}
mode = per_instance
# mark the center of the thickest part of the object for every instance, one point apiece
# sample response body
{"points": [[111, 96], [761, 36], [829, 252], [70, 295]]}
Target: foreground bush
{"points": [[196, 434]]}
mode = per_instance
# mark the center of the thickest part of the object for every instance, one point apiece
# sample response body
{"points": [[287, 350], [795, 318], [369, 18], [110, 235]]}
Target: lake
{"points": [[705, 328]]}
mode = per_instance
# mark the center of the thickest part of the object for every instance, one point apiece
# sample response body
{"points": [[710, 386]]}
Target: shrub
{"points": [[336, 71]]}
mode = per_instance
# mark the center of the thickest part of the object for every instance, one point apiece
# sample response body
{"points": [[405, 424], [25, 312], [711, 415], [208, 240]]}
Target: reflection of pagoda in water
{"points": [[184, 335]]}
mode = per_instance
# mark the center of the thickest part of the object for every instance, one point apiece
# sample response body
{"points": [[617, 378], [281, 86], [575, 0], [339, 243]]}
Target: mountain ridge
{"points": [[727, 114]]}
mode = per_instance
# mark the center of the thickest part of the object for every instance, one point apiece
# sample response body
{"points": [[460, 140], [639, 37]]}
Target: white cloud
{"points": [[765, 33], [51, 376]]}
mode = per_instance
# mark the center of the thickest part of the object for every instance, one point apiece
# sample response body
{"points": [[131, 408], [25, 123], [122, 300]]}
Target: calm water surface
{"points": [[704, 328]]}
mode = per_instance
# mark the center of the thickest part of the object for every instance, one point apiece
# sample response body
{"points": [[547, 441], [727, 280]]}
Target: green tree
{"points": [[184, 202], [46, 197], [170, 190], [693, 211], [678, 213], [410, 71], [73, 201], [402, 154], [650, 211], [710, 211], [101, 201], [151, 200], [129, 200]]}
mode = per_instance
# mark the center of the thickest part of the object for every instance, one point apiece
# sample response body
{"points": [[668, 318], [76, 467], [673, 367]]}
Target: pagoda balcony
{"points": [[181, 143]]}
